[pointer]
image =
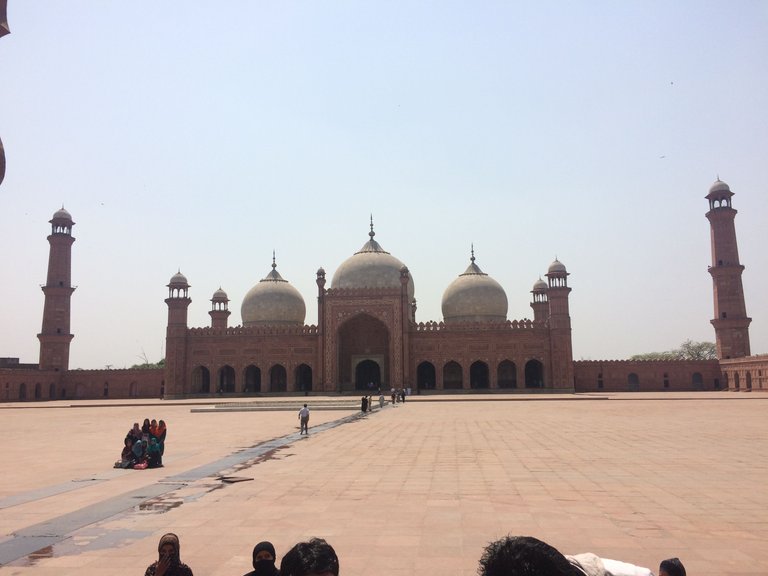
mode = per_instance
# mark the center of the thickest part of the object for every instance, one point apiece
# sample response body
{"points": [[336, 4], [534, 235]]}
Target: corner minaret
{"points": [[731, 322], [178, 302], [560, 326], [55, 336]]}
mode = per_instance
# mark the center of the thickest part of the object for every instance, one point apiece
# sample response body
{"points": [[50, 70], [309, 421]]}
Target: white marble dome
{"points": [[178, 280], [371, 267], [273, 301], [220, 296], [540, 286], [474, 297], [719, 186], [62, 214], [557, 267]]}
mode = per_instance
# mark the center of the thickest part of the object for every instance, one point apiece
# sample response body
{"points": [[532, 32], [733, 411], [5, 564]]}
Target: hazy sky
{"points": [[201, 136]]}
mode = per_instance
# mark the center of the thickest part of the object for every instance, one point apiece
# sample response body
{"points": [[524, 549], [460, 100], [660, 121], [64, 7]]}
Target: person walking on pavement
{"points": [[304, 420]]}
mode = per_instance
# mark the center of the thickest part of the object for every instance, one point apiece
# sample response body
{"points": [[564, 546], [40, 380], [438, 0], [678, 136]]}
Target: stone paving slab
{"points": [[412, 489]]}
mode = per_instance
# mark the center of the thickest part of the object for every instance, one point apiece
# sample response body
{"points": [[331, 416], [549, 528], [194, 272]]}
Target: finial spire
{"points": [[472, 258], [371, 233], [273, 260]]}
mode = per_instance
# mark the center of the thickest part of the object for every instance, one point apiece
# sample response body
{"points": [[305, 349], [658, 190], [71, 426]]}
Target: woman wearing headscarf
{"points": [[145, 428], [169, 563], [264, 560], [134, 433], [162, 431]]}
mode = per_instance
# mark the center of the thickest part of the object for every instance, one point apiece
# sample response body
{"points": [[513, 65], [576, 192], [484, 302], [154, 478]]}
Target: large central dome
{"points": [[371, 267]]}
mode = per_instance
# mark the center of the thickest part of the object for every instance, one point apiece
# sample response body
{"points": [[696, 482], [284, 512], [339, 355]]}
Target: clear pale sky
{"points": [[201, 136]]}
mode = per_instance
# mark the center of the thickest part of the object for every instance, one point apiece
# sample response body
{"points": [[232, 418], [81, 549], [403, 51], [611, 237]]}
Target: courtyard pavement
{"points": [[415, 488]]}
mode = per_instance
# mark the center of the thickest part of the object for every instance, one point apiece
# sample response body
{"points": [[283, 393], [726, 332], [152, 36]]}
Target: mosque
{"points": [[367, 338]]}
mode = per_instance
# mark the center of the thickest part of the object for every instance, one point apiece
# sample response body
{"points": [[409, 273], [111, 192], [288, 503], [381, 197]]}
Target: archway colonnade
{"points": [[479, 375], [250, 380]]}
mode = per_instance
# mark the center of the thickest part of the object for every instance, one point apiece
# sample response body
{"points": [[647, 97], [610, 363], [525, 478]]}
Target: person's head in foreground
{"points": [[671, 567], [169, 549], [524, 556], [264, 559], [313, 558]]}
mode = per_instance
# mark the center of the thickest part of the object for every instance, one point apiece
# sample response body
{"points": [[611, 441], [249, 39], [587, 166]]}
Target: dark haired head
{"points": [[672, 567], [313, 557], [524, 556]]}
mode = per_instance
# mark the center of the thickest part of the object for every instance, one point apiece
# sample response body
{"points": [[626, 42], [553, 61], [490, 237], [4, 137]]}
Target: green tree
{"points": [[149, 365], [688, 350]]}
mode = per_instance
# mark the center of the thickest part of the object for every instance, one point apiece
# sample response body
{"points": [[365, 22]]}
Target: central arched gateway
{"points": [[367, 376], [363, 352]]}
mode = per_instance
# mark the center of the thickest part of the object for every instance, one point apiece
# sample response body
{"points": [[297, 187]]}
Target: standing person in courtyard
{"points": [[528, 556], [671, 567], [313, 558], [264, 560], [169, 563], [364, 404], [304, 420]]}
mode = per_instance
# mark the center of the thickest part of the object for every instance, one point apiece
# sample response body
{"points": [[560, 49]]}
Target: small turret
{"points": [[219, 309]]}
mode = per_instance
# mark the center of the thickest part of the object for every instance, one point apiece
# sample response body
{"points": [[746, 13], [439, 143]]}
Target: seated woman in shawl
{"points": [[169, 563], [154, 458], [264, 560], [139, 452], [126, 457]]}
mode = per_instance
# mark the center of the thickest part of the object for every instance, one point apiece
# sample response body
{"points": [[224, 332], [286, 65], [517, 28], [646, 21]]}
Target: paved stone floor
{"points": [[412, 489]]}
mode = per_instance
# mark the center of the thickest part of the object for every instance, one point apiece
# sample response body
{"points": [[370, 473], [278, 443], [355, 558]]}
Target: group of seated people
{"points": [[509, 556], [143, 447]]}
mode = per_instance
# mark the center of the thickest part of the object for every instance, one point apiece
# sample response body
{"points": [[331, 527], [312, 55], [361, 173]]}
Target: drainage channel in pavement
{"points": [[53, 537]]}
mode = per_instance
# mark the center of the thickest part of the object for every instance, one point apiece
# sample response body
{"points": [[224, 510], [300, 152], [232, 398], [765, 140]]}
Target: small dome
{"points": [[540, 286], [178, 280], [62, 214], [273, 301], [474, 297], [371, 267], [719, 186], [557, 267], [220, 296]]}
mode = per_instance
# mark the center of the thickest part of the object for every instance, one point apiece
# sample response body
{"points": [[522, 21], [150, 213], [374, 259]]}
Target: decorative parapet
{"points": [[645, 362], [524, 324], [255, 331]]}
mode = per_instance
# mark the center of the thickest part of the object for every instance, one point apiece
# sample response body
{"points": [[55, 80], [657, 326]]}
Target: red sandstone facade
{"points": [[367, 337]]}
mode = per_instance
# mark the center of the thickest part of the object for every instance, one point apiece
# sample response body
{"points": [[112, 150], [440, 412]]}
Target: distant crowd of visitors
{"points": [[509, 556], [143, 447]]}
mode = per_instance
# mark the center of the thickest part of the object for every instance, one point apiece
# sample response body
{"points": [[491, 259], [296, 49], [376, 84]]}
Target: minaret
{"points": [[55, 336], [560, 326], [219, 309], [321, 364], [540, 302], [731, 322], [178, 302]]}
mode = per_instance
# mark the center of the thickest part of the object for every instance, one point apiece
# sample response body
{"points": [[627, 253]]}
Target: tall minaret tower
{"points": [[178, 302], [731, 322], [54, 336], [560, 326]]}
